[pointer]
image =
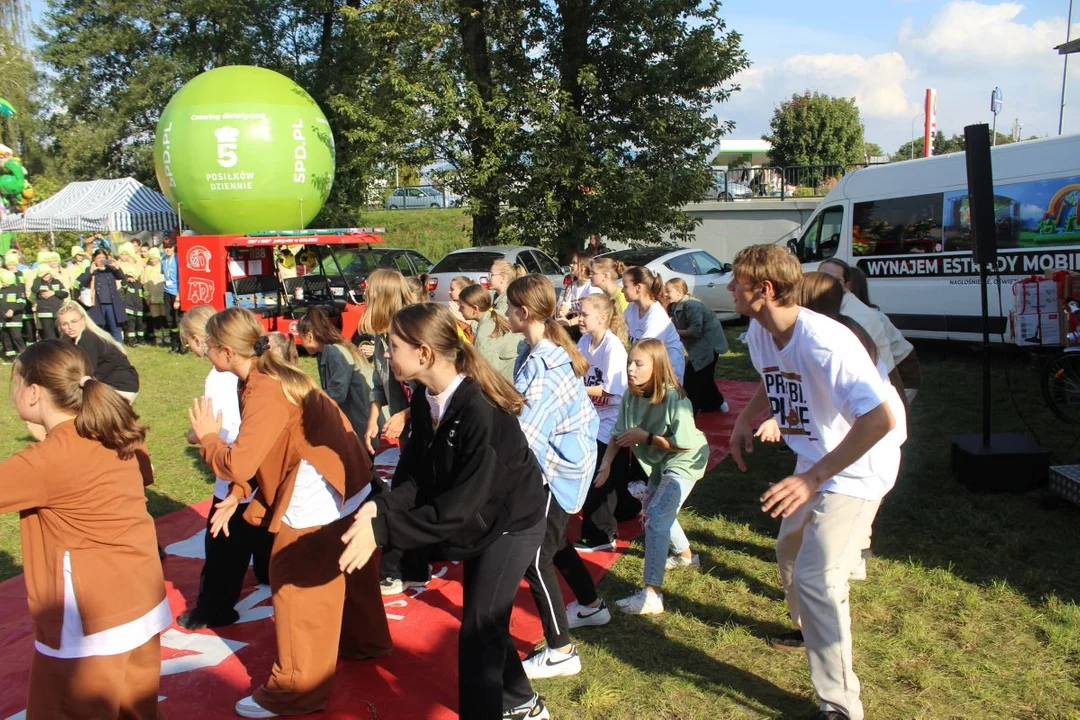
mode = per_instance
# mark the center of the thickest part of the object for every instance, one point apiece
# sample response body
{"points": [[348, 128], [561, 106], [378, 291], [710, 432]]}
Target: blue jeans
{"points": [[111, 324], [662, 527]]}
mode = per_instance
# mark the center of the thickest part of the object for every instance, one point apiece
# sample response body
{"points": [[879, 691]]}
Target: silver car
{"points": [[706, 276], [475, 263], [422, 196]]}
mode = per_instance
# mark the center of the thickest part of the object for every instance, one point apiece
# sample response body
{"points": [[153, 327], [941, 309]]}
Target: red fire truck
{"points": [[244, 270]]}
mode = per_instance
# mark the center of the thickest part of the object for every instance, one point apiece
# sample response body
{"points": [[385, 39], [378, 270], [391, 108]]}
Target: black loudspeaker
{"points": [[980, 179]]}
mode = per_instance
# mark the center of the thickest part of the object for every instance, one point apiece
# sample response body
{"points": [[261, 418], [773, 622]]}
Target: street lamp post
{"points": [[920, 115], [1065, 71]]}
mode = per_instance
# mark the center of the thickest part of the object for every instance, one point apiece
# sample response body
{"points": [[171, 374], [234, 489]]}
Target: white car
{"points": [[422, 196], [475, 263], [706, 276]]}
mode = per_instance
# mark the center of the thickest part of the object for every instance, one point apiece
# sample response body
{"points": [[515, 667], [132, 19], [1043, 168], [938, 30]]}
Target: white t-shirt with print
{"points": [[607, 368], [818, 385], [655, 323], [574, 293], [870, 321]]}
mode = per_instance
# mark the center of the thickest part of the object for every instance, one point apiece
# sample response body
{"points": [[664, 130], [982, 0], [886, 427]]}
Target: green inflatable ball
{"points": [[243, 149]]}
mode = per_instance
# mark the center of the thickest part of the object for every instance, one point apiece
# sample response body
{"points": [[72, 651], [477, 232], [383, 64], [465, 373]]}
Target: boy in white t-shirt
{"points": [[839, 415]]}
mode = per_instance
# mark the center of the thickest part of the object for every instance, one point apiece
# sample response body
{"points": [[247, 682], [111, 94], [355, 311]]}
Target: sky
{"points": [[886, 53]]}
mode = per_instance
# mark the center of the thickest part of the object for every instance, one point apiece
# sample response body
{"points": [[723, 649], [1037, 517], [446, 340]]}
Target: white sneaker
{"points": [[638, 490], [643, 602], [674, 562], [396, 586], [859, 571], [532, 710], [578, 615], [549, 663], [724, 407], [248, 708]]}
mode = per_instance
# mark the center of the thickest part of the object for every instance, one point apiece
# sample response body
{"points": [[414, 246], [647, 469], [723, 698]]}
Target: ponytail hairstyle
{"points": [[638, 275], [480, 298], [663, 375], [433, 325], [71, 306], [418, 285], [613, 320], [193, 323], [679, 284], [535, 294], [460, 281], [387, 292], [860, 332], [584, 258], [315, 322], [820, 292], [284, 346], [101, 414], [240, 330], [614, 269], [859, 287]]}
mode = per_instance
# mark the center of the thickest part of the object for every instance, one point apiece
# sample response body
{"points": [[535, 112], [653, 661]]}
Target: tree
{"points": [[872, 150], [942, 145], [816, 129]]}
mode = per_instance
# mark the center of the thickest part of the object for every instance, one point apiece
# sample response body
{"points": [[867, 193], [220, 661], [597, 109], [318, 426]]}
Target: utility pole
{"points": [[1065, 71]]}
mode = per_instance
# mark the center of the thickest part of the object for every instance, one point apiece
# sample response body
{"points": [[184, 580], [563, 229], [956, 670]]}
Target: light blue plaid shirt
{"points": [[559, 422]]}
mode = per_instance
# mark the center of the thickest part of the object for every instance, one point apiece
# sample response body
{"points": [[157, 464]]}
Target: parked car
{"points": [[706, 276], [475, 263], [423, 196], [724, 190], [357, 264]]}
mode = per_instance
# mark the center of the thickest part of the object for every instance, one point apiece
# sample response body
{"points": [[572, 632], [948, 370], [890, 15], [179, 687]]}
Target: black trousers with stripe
{"points": [[557, 552]]}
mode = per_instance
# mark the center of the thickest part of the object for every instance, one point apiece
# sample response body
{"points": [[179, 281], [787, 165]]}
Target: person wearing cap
{"points": [[170, 268], [49, 292], [79, 262], [154, 289], [106, 307], [11, 308]]}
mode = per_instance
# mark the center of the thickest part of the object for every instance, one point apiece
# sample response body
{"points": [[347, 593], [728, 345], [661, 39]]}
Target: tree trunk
{"points": [[572, 223], [472, 17], [327, 36]]}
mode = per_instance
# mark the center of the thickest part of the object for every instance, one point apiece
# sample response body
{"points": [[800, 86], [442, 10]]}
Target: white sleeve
{"points": [[614, 365], [657, 323], [854, 381], [221, 389]]}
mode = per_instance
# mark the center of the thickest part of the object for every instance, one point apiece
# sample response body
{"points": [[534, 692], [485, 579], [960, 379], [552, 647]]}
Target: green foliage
{"points": [[943, 145], [816, 129]]}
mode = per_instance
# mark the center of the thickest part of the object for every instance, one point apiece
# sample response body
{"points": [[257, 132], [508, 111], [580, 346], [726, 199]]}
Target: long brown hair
{"points": [[535, 294], [654, 284], [845, 269], [480, 298], [663, 375], [859, 286], [387, 292], [326, 334], [433, 325], [613, 320], [418, 284], [101, 414], [820, 292], [240, 330]]}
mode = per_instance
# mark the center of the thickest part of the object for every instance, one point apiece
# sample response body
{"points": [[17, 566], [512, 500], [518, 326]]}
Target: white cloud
{"points": [[876, 82], [972, 34], [751, 79]]}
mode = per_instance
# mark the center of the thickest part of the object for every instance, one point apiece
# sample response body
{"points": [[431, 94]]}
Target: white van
{"points": [[907, 226]]}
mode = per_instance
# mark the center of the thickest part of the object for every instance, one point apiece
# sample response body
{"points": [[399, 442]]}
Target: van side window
{"points": [[822, 239], [898, 226]]}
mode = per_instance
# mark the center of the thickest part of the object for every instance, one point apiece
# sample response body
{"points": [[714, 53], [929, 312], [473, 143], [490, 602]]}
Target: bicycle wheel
{"points": [[1061, 386]]}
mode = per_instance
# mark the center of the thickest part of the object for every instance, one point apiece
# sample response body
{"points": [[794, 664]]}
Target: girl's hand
{"points": [[359, 541], [395, 425], [371, 433], [633, 436], [602, 474], [367, 349], [192, 438], [223, 512], [203, 419], [769, 431]]}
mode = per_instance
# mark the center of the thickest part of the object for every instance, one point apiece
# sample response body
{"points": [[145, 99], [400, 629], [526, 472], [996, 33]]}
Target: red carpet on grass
{"points": [[205, 672]]}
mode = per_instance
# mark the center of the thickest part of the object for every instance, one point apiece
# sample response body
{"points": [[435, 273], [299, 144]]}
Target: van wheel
{"points": [[1061, 386]]}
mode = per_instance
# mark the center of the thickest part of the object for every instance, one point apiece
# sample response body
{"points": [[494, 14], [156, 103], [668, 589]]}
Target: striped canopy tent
{"points": [[97, 206]]}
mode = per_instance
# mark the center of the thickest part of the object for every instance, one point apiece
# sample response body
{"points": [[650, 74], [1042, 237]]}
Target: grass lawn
{"points": [[970, 609], [433, 233]]}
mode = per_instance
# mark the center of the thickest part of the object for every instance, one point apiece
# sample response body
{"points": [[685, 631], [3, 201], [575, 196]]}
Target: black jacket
{"points": [[47, 307], [460, 486], [110, 365]]}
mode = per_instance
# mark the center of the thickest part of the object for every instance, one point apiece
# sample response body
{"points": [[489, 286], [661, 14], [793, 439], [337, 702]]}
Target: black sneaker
{"points": [[788, 641], [197, 620], [532, 710], [591, 545]]}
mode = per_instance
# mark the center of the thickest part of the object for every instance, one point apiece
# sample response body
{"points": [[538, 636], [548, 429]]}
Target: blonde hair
{"points": [[613, 268], [679, 284], [433, 325], [101, 414], [535, 294], [89, 325], [502, 267], [418, 286], [285, 346], [758, 263], [613, 320], [663, 375], [240, 330], [193, 323], [480, 298], [461, 281], [387, 292]]}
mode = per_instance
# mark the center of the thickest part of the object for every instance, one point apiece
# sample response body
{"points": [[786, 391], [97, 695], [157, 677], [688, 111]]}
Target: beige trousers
{"points": [[816, 549]]}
